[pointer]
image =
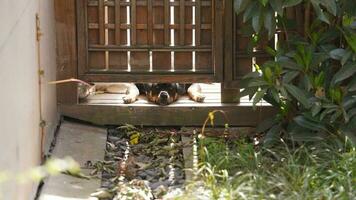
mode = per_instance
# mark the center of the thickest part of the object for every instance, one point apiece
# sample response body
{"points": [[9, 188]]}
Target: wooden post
{"points": [[229, 87], [66, 50]]}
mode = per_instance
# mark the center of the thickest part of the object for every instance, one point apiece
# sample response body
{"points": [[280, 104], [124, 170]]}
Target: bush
{"points": [[311, 78]]}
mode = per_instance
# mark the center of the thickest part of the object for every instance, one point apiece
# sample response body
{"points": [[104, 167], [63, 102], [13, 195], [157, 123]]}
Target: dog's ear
{"points": [[181, 89], [144, 87]]}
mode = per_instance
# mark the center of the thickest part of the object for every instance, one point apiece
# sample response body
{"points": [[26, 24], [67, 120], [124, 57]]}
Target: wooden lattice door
{"points": [[150, 40]]}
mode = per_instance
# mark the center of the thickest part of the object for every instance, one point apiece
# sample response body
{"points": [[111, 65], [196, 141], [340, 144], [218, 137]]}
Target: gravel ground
{"points": [[148, 158]]}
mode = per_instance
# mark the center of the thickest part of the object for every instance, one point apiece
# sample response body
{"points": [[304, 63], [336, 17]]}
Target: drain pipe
{"points": [[40, 73]]}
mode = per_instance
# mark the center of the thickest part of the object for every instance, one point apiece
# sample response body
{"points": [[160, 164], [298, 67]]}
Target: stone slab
{"points": [[82, 143]]}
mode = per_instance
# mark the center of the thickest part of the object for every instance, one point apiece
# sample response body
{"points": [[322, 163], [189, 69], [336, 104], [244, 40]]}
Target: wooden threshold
{"points": [[165, 116]]}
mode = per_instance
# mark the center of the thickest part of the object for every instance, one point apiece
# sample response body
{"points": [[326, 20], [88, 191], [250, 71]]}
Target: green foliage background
{"points": [[311, 78]]}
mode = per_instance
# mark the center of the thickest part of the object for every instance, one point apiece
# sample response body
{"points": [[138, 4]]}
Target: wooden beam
{"points": [[165, 115]]}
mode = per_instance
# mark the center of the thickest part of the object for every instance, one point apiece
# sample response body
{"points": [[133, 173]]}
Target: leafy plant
{"points": [[311, 78]]}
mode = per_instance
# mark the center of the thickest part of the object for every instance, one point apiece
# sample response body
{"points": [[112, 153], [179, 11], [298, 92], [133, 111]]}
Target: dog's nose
{"points": [[163, 98], [163, 95]]}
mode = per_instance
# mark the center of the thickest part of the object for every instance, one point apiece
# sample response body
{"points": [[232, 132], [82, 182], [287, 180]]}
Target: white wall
{"points": [[19, 94]]}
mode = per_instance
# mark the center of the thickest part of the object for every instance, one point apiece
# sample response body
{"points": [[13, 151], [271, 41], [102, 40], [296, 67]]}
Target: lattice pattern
{"points": [[149, 35]]}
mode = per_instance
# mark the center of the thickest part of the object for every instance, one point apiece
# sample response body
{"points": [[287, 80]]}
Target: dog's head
{"points": [[163, 93]]}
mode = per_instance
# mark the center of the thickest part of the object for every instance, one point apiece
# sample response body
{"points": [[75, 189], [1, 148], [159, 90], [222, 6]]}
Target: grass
{"points": [[240, 170]]}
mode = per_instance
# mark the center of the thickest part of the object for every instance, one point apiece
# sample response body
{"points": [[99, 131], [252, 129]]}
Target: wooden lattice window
{"points": [[145, 40]]}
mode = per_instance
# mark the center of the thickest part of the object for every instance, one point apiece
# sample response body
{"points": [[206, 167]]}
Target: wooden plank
{"points": [[167, 17], [197, 22], [117, 22], [218, 38], [65, 16], [183, 61], [161, 61], [96, 60], [155, 26], [150, 22], [145, 47], [133, 22], [101, 10], [118, 61], [144, 3], [182, 22], [204, 61], [112, 20], [140, 61], [207, 16], [149, 77], [93, 18], [164, 115]]}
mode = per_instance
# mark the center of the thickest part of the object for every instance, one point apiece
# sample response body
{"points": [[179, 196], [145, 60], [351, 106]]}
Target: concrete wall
{"points": [[19, 97]]}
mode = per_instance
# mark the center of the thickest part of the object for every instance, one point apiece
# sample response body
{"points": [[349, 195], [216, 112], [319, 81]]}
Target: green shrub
{"points": [[311, 80]]}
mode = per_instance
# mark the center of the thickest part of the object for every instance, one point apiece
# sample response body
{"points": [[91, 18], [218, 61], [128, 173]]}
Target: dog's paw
{"points": [[200, 98], [128, 99]]}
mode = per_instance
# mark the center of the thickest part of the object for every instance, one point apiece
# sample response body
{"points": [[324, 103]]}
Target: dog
{"points": [[159, 93]]}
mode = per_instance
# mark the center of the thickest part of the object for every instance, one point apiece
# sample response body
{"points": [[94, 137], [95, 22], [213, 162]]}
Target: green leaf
{"points": [[330, 5], [267, 73], [290, 3], [316, 108], [272, 135], [350, 39], [265, 125], [257, 83], [349, 130], [264, 2], [327, 112], [302, 134], [351, 113], [337, 54], [319, 12], [251, 10], [288, 63], [346, 57], [251, 91], [240, 5], [252, 75], [298, 94], [259, 95], [335, 116], [277, 6], [352, 86], [272, 97], [311, 125], [271, 51], [289, 76], [256, 22], [345, 72], [349, 102], [270, 24]]}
